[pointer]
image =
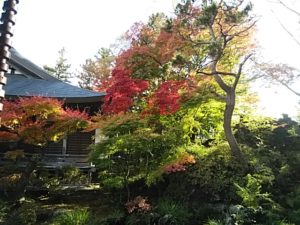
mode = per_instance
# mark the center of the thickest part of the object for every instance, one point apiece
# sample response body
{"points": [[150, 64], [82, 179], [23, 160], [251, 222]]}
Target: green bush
{"points": [[73, 217], [292, 202], [25, 214], [214, 222], [4, 208], [72, 175], [113, 218], [251, 194], [210, 179], [172, 212], [166, 212]]}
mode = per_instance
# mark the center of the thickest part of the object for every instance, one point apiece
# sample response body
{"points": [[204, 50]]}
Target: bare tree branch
{"points": [[238, 75], [286, 30], [289, 8], [289, 88]]}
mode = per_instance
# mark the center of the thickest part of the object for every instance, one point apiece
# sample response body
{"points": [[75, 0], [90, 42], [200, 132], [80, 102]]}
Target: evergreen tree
{"points": [[95, 72], [61, 69]]}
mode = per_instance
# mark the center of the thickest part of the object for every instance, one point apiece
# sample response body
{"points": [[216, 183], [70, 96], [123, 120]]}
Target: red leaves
{"points": [[120, 94], [151, 49], [8, 136], [166, 99], [38, 120], [119, 98]]}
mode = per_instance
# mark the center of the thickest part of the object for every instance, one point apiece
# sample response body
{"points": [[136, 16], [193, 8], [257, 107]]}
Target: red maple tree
{"points": [[38, 120], [119, 96]]}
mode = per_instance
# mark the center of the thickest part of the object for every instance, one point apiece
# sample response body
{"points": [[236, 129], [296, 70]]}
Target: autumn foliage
{"points": [[119, 97], [166, 99], [139, 71], [179, 164], [38, 120]]}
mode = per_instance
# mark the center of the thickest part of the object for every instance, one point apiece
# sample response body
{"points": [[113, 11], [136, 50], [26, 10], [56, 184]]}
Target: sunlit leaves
{"points": [[119, 97], [166, 99], [180, 163], [38, 120]]}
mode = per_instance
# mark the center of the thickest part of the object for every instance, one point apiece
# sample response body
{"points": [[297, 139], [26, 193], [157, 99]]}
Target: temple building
{"points": [[25, 79]]}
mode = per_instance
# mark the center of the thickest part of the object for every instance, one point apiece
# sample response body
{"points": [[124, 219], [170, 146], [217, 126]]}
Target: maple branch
{"points": [[218, 72], [218, 78], [153, 58], [214, 72], [231, 27], [245, 30]]}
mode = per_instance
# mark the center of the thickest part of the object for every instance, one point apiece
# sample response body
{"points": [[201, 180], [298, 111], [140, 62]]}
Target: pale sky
{"points": [[82, 27]]}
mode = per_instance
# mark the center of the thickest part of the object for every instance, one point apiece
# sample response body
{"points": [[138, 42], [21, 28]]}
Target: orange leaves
{"points": [[167, 44], [8, 136], [38, 120], [180, 164], [71, 120], [138, 204]]}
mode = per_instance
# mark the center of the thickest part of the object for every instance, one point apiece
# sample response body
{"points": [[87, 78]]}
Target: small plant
{"points": [[4, 208], [172, 212], [251, 193], [25, 214], [73, 175], [14, 155], [74, 217], [138, 204], [113, 218], [214, 222]]}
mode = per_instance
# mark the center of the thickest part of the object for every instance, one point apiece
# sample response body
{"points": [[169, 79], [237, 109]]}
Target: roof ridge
{"points": [[23, 62]]}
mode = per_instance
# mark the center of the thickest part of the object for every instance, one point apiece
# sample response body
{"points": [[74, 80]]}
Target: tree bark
{"points": [[229, 108]]}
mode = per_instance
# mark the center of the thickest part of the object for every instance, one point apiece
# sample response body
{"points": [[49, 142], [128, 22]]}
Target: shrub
{"points": [[4, 208], [172, 212], [73, 217], [210, 179], [214, 222], [251, 193], [25, 214], [115, 217], [292, 201]]}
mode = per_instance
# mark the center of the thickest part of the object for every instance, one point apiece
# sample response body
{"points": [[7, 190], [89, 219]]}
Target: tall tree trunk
{"points": [[229, 108], [230, 104]]}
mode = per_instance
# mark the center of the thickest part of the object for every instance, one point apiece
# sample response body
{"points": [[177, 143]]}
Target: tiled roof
{"points": [[34, 81], [18, 85], [29, 68]]}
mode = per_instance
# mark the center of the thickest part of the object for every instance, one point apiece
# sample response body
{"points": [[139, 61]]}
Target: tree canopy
{"points": [[170, 59]]}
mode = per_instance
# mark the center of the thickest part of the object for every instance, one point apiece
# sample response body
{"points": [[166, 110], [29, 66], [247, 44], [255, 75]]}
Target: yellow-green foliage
{"points": [[14, 155], [72, 217]]}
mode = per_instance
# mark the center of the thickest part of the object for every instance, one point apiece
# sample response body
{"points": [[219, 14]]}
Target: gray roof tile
{"points": [[36, 82]]}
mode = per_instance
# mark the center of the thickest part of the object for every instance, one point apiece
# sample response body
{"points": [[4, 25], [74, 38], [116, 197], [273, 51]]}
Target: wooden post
{"points": [[6, 31]]}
